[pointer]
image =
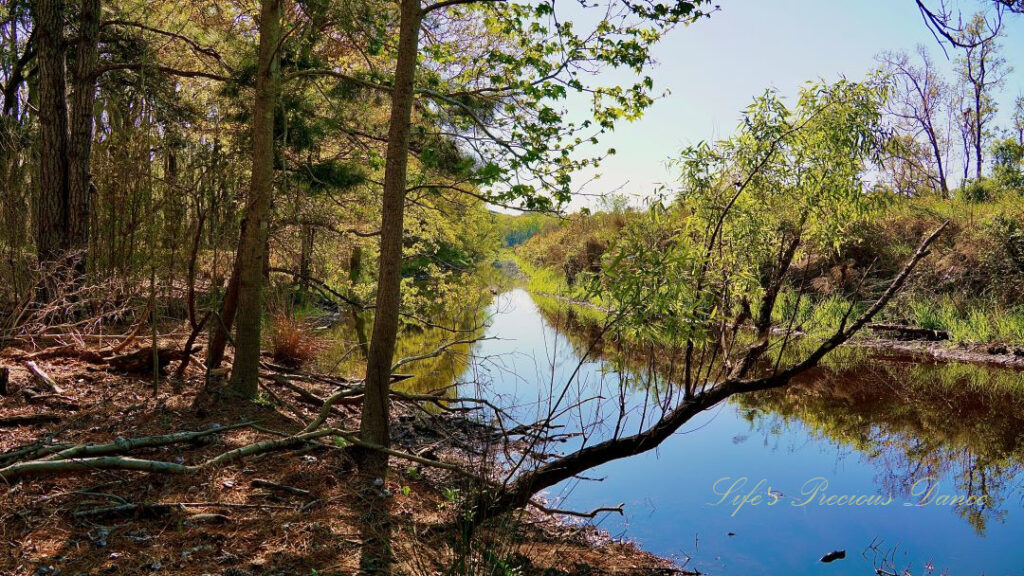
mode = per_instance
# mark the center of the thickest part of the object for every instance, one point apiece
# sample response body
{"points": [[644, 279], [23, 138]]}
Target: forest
{"points": [[314, 287]]}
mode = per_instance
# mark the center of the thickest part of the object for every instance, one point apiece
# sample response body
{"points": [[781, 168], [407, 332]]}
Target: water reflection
{"points": [[866, 426], [348, 335], [915, 424]]}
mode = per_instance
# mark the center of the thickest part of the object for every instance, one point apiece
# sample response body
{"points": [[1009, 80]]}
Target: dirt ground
{"points": [[286, 512]]}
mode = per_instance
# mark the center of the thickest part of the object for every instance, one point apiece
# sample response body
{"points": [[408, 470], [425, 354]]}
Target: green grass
{"points": [[977, 322], [541, 280]]}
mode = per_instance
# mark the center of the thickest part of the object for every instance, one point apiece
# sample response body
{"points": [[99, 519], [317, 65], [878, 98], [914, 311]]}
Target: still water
{"points": [[903, 438]]}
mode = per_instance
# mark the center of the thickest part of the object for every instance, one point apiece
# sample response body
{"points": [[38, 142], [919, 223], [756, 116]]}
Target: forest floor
{"points": [[287, 512]]}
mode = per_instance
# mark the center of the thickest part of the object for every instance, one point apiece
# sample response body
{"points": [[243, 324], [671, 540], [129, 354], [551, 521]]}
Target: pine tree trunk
{"points": [[221, 329], [80, 142], [253, 241], [51, 210], [374, 427], [305, 257]]}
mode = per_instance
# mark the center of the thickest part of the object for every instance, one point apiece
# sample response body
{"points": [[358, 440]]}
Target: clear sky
{"points": [[714, 68]]}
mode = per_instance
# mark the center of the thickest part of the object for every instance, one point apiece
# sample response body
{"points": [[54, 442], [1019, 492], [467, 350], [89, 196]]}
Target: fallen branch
{"points": [[122, 445], [135, 330], [167, 507], [42, 378], [141, 361], [68, 351], [60, 400], [27, 419], [124, 509], [911, 331], [34, 467], [305, 395], [283, 488], [33, 450], [327, 406], [280, 402], [592, 514]]}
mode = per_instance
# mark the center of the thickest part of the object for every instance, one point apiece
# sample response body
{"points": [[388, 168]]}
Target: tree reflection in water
{"points": [[916, 424]]}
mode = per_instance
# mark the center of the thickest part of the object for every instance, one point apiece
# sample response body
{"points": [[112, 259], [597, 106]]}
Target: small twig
{"points": [[283, 488], [280, 402], [593, 513]]}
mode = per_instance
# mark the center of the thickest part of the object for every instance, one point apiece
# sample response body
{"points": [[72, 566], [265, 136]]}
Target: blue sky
{"points": [[714, 68]]}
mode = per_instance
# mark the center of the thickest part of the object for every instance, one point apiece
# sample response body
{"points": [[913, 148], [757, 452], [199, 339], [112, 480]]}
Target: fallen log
{"points": [[42, 378], [36, 467], [68, 351], [141, 361], [910, 332], [121, 445], [27, 419]]}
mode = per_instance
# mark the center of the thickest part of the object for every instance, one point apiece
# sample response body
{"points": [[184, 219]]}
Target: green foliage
{"points": [[1008, 163], [501, 85], [517, 229], [977, 191], [788, 175]]}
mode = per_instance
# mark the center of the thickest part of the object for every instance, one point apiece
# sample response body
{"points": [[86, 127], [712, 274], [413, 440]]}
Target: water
{"points": [[873, 429]]}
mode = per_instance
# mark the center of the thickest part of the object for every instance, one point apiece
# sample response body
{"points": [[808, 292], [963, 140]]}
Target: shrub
{"points": [[291, 342], [983, 190]]}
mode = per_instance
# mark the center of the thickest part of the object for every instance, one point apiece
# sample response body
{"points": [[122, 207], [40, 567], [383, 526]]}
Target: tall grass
{"points": [[976, 322]]}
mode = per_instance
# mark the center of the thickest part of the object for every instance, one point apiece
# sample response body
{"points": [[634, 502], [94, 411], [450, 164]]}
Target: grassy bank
{"points": [[971, 287]]}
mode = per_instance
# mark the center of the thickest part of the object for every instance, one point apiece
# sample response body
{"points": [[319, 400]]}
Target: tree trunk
{"points": [[80, 142], [253, 240], [221, 329], [933, 139], [305, 256], [375, 419], [978, 133], [51, 211]]}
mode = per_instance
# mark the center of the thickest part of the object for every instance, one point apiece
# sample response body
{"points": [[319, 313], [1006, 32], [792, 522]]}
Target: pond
{"points": [[930, 455]]}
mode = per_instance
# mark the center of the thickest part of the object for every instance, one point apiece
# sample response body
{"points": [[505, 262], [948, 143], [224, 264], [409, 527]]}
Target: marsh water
{"points": [[906, 466]]}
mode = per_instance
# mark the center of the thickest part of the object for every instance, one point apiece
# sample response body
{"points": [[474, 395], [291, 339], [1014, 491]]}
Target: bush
{"points": [[291, 342], [983, 190]]}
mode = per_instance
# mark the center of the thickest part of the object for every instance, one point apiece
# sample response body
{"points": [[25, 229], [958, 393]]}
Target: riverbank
{"points": [[928, 342], [289, 512], [969, 287]]}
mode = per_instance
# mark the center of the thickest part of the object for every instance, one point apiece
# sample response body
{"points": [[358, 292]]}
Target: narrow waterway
{"points": [[929, 455]]}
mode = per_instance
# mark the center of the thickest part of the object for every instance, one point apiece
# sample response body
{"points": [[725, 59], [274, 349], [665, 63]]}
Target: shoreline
{"points": [[995, 354]]}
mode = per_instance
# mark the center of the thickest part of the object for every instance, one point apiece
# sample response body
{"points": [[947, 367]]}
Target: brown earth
{"points": [[309, 518]]}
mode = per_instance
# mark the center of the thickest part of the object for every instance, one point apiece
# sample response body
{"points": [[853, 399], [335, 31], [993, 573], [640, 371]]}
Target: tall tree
{"points": [[375, 418], [982, 70], [1018, 119], [922, 103], [252, 244], [52, 207], [83, 100], [500, 130]]}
